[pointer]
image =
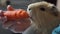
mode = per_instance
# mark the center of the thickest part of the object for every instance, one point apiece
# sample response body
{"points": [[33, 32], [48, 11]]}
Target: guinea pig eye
{"points": [[42, 9], [29, 9]]}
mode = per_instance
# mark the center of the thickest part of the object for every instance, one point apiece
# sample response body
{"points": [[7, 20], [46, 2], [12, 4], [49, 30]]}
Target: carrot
{"points": [[16, 14]]}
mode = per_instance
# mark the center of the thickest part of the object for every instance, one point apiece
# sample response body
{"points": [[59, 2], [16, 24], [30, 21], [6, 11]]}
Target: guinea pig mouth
{"points": [[30, 17]]}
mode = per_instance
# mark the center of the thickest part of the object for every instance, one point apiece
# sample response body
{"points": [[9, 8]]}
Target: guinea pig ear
{"points": [[10, 8]]}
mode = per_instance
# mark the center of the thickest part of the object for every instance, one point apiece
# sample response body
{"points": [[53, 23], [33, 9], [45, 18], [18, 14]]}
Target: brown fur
{"points": [[44, 21]]}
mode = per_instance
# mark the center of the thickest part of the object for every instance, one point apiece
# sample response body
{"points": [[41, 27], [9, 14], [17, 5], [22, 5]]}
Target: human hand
{"points": [[18, 25], [2, 17]]}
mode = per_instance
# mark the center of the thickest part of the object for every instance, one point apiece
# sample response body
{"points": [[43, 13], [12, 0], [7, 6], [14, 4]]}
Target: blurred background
{"points": [[17, 3], [22, 4]]}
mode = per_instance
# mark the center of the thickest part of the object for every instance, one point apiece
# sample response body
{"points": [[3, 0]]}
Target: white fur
{"points": [[44, 21]]}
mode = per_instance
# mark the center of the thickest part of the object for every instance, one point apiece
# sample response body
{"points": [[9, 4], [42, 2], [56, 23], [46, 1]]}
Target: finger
{"points": [[4, 19], [7, 24], [1, 13]]}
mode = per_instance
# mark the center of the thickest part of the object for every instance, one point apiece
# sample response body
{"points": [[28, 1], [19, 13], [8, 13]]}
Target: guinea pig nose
{"points": [[53, 7]]}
